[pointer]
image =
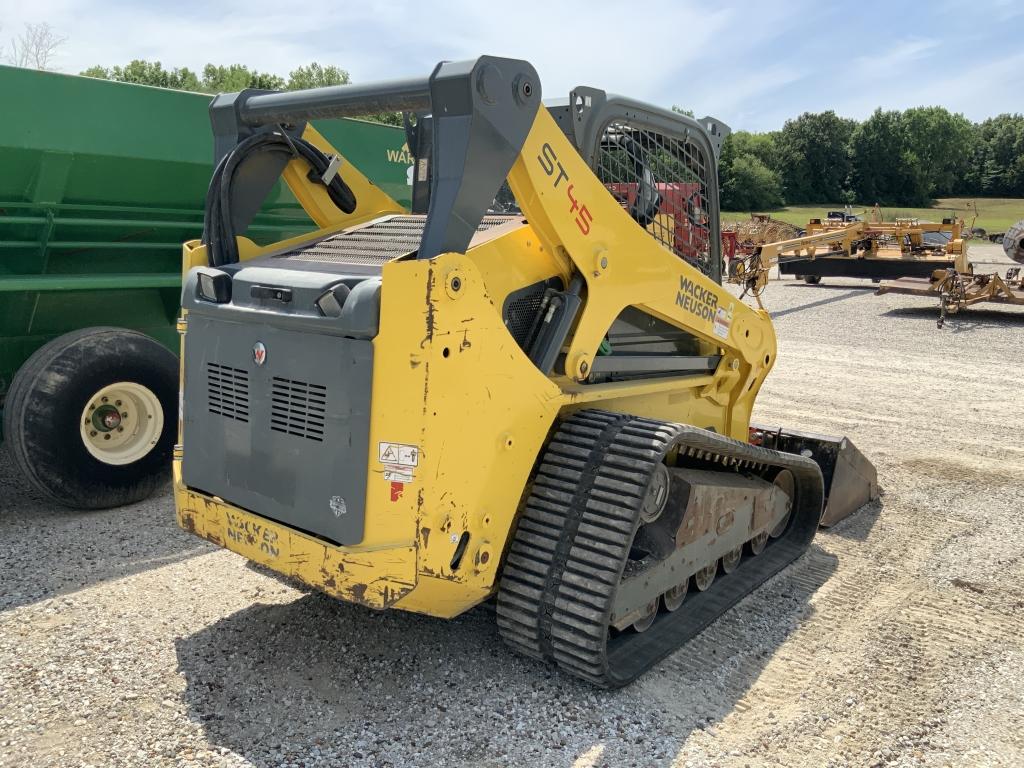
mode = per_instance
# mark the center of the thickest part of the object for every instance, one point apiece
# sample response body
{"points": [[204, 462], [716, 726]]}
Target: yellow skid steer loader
{"points": [[537, 392]]}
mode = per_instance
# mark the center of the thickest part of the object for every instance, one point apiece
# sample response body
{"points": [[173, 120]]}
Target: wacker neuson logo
{"points": [[696, 299]]}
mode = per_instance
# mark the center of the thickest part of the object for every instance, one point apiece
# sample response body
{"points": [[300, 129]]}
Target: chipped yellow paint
{"points": [[450, 379], [376, 579]]}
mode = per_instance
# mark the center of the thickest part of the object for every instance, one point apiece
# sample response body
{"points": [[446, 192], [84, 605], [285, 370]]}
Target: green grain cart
{"points": [[100, 183]]}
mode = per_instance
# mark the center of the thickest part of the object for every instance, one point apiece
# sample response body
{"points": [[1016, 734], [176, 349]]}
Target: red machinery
{"points": [[678, 217]]}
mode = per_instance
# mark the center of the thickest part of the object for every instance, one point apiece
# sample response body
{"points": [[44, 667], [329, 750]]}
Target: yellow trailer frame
{"points": [[899, 241], [956, 291]]}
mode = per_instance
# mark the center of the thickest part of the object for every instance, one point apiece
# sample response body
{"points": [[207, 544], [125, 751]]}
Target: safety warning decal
{"points": [[399, 461], [723, 321], [398, 454], [396, 476]]}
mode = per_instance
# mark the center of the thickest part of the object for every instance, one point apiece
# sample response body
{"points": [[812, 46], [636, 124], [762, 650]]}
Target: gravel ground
{"points": [[895, 641]]}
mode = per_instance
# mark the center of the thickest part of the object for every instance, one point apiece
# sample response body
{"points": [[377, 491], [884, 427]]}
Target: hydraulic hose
{"points": [[218, 230]]}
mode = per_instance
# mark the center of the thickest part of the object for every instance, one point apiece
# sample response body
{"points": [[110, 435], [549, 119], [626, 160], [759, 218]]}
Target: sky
{"points": [[752, 65]]}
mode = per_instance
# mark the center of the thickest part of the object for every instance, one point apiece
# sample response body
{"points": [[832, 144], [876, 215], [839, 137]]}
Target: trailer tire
{"points": [[812, 279], [50, 394]]}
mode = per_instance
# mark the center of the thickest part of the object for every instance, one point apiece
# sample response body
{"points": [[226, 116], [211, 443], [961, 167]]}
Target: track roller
{"points": [[705, 577], [675, 596], [731, 559]]}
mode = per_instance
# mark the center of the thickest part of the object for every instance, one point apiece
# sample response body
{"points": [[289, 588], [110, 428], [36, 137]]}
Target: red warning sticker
{"points": [[396, 490]]}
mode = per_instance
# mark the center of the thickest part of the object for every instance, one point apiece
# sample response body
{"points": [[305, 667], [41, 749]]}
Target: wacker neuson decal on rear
{"points": [[696, 299]]}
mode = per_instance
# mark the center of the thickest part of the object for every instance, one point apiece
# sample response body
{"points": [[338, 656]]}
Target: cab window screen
{"points": [[662, 181]]}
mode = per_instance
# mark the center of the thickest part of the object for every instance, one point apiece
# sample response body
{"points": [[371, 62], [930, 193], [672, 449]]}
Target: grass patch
{"points": [[995, 214]]}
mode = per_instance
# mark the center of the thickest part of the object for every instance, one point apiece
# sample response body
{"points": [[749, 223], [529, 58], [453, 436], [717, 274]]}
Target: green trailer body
{"points": [[101, 183]]}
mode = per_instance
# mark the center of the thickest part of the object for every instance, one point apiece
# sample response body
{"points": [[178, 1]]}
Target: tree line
{"points": [[227, 79], [907, 157]]}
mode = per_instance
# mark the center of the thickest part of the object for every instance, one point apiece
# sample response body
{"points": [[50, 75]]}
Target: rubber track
{"points": [[575, 532]]}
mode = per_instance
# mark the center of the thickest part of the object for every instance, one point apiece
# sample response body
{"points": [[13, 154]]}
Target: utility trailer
{"points": [[101, 182], [854, 249], [880, 250], [957, 290]]}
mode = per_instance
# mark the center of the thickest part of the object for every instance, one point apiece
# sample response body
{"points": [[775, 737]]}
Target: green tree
{"points": [[813, 157], [750, 185], [316, 76], [997, 159], [942, 143], [148, 73], [763, 146], [388, 118], [885, 167], [237, 77], [230, 78]]}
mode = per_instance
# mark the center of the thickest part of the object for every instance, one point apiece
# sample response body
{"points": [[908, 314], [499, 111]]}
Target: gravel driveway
{"points": [[896, 641]]}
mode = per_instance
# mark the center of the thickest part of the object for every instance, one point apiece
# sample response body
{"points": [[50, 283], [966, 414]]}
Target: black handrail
{"points": [[409, 95]]}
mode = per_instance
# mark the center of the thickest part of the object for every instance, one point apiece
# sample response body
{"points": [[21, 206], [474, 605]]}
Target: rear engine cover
{"points": [[277, 421]]}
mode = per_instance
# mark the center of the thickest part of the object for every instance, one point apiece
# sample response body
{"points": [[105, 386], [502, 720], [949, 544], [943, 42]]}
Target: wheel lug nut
{"points": [[92, 433], [106, 437], [120, 429], [103, 399], [117, 403], [124, 415]]}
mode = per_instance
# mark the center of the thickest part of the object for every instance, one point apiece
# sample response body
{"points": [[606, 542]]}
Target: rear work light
{"points": [[331, 302], [213, 285]]}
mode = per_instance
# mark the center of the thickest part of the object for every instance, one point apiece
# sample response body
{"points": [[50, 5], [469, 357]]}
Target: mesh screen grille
{"points": [[522, 312], [298, 408], [227, 391], [521, 308], [377, 243], [663, 182]]}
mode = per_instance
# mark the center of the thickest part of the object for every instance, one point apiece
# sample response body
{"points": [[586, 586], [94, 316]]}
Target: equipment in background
{"points": [[875, 251], [550, 407], [760, 229], [846, 215], [980, 233], [1013, 242], [100, 183], [854, 248], [958, 290]]}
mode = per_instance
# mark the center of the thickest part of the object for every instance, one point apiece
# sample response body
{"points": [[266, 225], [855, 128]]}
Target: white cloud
{"points": [[752, 64], [735, 102], [610, 43], [891, 62]]}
